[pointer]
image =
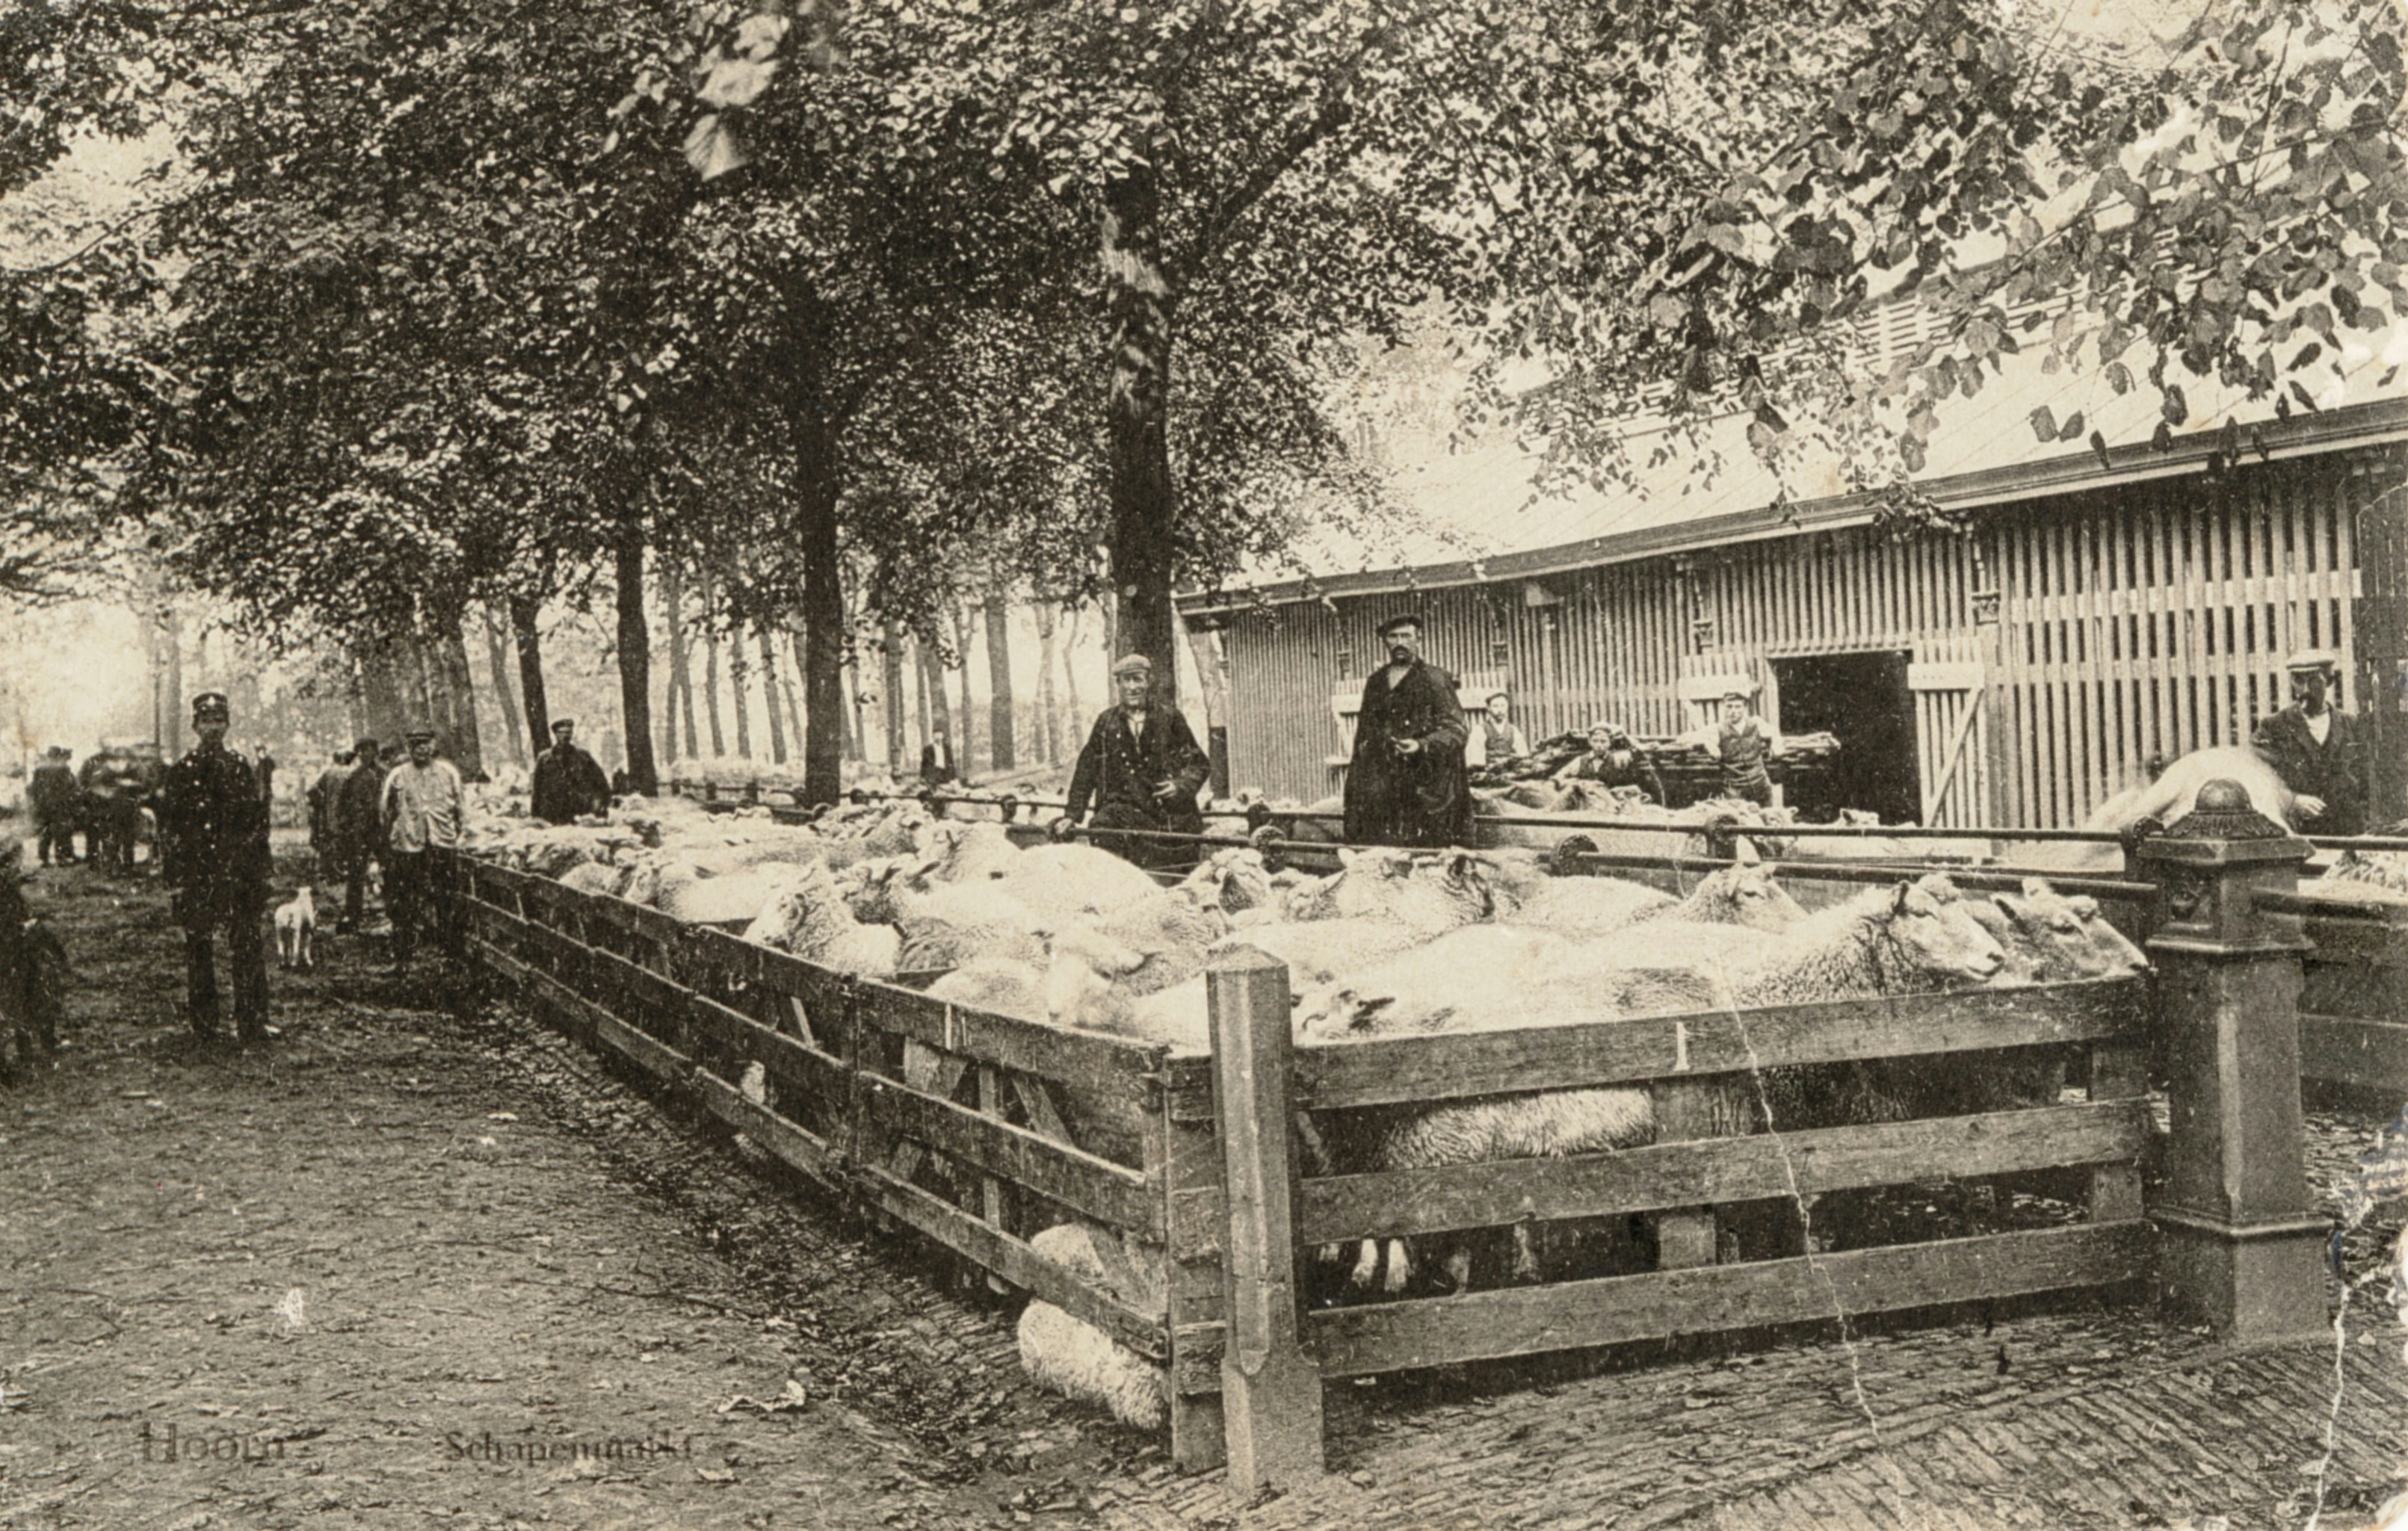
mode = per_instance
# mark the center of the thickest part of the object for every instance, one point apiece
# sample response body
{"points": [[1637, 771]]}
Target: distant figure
{"points": [[359, 829], [1406, 784], [2317, 749], [1745, 743], [1612, 760], [423, 810], [568, 782], [937, 760], [324, 793], [1141, 769], [213, 853], [99, 782], [1495, 738], [55, 800]]}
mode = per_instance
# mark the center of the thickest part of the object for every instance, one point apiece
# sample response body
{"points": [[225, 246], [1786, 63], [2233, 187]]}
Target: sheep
{"points": [[949, 924], [1067, 882], [1169, 931], [688, 895], [1076, 1358], [1743, 893], [2368, 874], [596, 877], [969, 852], [2160, 803], [2051, 939], [1232, 880], [1319, 952], [807, 916], [1430, 892]]}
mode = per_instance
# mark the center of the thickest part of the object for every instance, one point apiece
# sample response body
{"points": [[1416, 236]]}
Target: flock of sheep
{"points": [[1393, 942]]}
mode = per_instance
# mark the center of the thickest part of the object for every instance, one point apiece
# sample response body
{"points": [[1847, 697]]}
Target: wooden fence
{"points": [[982, 1130], [2354, 993]]}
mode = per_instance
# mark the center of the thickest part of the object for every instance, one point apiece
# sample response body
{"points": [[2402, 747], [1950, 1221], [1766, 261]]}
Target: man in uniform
{"points": [[2316, 748], [422, 809], [213, 852], [1141, 769], [53, 797], [1406, 785], [568, 782], [359, 829]]}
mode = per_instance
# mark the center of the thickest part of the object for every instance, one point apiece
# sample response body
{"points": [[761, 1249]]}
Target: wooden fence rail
{"points": [[982, 1130]]}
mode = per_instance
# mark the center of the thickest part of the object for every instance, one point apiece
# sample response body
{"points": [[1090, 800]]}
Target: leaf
{"points": [[2043, 424], [712, 149], [2071, 428], [2162, 438], [2098, 445], [2119, 376], [1668, 311], [2172, 404], [2307, 400]]}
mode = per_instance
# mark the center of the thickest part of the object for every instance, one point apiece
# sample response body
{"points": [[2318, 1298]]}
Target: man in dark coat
{"points": [[1406, 785], [2317, 749], [937, 761], [359, 828], [324, 795], [1141, 769], [568, 782], [55, 798], [98, 780], [213, 844]]}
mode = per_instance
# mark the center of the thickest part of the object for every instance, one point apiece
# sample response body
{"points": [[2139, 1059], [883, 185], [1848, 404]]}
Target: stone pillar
{"points": [[2240, 1240]]}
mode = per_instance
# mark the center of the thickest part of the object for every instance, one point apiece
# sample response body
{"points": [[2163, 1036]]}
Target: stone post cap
{"points": [[2224, 827]]}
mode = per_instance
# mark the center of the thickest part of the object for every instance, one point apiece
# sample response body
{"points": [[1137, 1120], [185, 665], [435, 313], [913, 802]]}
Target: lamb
{"points": [[688, 895], [808, 916], [297, 924], [1073, 1356], [1743, 893], [1168, 930]]}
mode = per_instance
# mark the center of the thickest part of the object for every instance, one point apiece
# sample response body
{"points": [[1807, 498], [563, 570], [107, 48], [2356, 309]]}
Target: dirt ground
{"points": [[420, 1260]]}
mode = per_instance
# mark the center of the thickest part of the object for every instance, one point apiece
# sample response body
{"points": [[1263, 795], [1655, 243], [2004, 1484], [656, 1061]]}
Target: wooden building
{"points": [[2096, 619]]}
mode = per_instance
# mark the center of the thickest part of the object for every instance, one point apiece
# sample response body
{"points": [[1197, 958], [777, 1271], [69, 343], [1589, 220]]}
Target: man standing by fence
{"points": [[568, 782], [2314, 747], [359, 829], [213, 853], [1141, 768], [1406, 784], [52, 795], [423, 808]]}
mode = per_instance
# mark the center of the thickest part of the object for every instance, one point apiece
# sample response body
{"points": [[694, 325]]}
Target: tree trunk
{"points": [[1143, 527], [171, 637], [770, 695], [1000, 722], [514, 723], [740, 680], [673, 609], [967, 745], [381, 687], [798, 649], [934, 712], [635, 661], [856, 727], [710, 669], [448, 668], [1049, 717], [525, 610], [891, 663], [1073, 724]]}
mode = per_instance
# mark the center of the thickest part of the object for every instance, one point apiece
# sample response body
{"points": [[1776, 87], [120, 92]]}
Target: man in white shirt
{"points": [[2317, 749], [423, 808]]}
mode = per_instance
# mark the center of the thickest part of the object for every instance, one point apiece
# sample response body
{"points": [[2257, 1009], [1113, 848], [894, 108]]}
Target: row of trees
{"points": [[833, 320]]}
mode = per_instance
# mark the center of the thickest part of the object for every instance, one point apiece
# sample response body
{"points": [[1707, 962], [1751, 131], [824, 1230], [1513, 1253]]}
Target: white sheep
{"points": [[2051, 939], [808, 916], [1430, 892], [1232, 880], [968, 853], [1320, 952], [1064, 882], [1076, 1358], [950, 923], [596, 877]]}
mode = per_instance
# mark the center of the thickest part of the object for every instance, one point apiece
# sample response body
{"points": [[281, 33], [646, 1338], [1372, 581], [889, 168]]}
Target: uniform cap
{"points": [[1402, 618], [559, 723], [364, 746], [1132, 664], [2313, 659], [210, 704]]}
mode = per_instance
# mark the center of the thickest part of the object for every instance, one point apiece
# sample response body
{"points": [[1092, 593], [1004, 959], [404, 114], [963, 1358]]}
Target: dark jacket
{"points": [[359, 812], [1421, 800], [2334, 770], [1618, 767], [932, 771], [567, 783], [324, 795], [52, 794], [213, 837], [1120, 772]]}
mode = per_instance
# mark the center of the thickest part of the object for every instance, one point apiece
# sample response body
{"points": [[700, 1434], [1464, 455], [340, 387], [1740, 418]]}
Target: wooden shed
{"points": [[2096, 617]]}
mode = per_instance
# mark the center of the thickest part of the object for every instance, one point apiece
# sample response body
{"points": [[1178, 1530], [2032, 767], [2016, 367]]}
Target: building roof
{"points": [[1473, 516]]}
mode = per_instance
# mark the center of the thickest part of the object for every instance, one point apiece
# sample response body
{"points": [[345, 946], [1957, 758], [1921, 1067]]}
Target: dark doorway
{"points": [[1862, 700]]}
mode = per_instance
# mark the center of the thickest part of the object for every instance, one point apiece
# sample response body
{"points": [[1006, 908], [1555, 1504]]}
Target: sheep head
{"points": [[1927, 937], [1338, 1013]]}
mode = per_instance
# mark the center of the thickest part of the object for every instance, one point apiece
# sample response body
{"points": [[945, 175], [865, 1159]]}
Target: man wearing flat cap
{"points": [[213, 855], [568, 782], [2316, 748], [423, 810], [1141, 769], [55, 798], [1406, 784]]}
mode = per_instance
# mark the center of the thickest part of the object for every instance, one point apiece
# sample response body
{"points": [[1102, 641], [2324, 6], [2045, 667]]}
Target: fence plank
{"points": [[796, 1144], [1011, 1259], [2354, 1051], [1657, 1304], [1080, 1060], [1102, 1190], [1399, 1070], [1694, 1173]]}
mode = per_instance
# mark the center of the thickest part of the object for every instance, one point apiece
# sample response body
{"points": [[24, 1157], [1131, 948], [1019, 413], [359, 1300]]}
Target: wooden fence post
{"points": [[2240, 1240], [1271, 1388]]}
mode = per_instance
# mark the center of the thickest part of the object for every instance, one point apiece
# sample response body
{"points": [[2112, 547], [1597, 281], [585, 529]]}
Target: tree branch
{"points": [[1336, 109]]}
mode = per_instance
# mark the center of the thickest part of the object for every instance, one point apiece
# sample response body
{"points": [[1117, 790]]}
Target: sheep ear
{"points": [[1744, 853], [2010, 906], [1346, 860], [2035, 887], [1898, 898]]}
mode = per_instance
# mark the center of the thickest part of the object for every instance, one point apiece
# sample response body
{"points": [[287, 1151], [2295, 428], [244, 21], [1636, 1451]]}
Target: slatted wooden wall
{"points": [[2133, 623]]}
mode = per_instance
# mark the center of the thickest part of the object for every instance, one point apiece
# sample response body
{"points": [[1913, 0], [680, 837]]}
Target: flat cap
{"points": [[2313, 659], [1132, 664], [1402, 618], [413, 735], [1498, 696], [1737, 695], [559, 723]]}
